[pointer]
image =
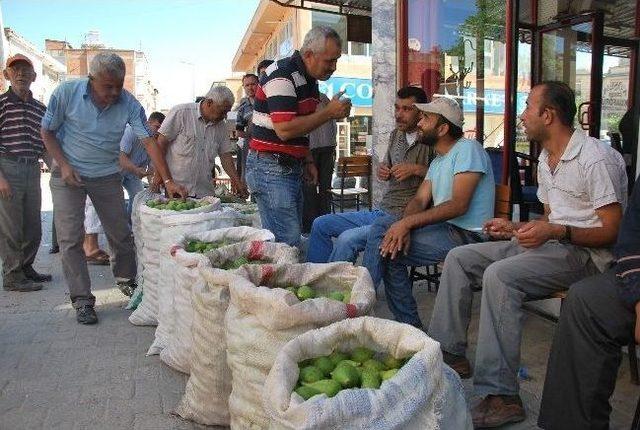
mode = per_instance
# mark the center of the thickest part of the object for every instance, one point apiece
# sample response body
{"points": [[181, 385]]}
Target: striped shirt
{"points": [[20, 126], [285, 92]]}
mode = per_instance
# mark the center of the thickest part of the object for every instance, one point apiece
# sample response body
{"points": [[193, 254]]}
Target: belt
{"points": [[278, 156], [18, 159]]}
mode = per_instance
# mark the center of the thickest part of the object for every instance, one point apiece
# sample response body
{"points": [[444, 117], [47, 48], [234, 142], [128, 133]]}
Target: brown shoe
{"points": [[22, 285], [458, 363], [494, 411]]}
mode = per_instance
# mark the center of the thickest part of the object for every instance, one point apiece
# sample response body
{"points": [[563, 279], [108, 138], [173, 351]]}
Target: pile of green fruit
{"points": [[306, 292], [176, 204], [336, 372], [202, 247], [238, 262]]}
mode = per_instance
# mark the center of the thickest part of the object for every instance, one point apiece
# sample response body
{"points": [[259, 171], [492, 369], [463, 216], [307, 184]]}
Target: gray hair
{"points": [[220, 94], [108, 63], [316, 39]]}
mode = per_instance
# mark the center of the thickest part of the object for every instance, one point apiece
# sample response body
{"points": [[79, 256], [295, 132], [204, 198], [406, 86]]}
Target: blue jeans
{"points": [[278, 193], [371, 258], [429, 244], [351, 230], [133, 185]]}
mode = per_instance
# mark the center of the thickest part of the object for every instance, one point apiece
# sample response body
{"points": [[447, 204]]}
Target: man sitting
{"points": [[454, 200], [403, 166], [582, 185], [597, 318]]}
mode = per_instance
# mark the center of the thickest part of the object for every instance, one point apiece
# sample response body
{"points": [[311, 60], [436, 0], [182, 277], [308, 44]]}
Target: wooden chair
{"points": [[352, 167], [502, 209]]}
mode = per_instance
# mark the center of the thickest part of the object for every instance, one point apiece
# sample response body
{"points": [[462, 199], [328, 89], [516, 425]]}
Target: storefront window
{"points": [[456, 48]]}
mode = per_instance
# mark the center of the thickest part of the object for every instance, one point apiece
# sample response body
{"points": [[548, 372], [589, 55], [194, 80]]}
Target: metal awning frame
{"points": [[343, 6]]}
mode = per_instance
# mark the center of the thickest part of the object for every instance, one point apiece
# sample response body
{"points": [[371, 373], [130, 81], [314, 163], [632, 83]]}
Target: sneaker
{"points": [[30, 273], [22, 285], [86, 315], [458, 363], [495, 411], [127, 286], [54, 249]]}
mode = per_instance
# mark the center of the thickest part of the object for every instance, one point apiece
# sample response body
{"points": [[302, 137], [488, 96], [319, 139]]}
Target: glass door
{"points": [[570, 51]]}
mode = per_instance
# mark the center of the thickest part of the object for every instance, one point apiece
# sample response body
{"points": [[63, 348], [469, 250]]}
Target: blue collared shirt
{"points": [[90, 137], [133, 147]]}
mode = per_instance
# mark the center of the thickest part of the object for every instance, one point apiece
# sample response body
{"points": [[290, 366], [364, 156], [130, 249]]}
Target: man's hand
{"points": [[156, 182], [499, 228], [637, 322], [174, 190], [70, 176], [404, 171], [384, 172], [396, 239], [310, 173], [5, 189], [141, 172], [239, 188], [337, 108], [536, 233]]}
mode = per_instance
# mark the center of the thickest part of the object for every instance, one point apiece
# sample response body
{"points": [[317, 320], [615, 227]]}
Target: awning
{"points": [[341, 7]]}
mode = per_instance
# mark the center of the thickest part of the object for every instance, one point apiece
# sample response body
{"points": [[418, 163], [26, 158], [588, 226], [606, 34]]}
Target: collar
{"points": [[571, 151], [297, 60], [13, 97]]}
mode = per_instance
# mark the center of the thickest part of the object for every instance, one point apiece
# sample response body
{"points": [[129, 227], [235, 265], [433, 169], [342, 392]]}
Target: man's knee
{"points": [[321, 224]]}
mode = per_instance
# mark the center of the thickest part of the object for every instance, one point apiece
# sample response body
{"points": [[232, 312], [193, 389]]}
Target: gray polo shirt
{"points": [[399, 193], [590, 175]]}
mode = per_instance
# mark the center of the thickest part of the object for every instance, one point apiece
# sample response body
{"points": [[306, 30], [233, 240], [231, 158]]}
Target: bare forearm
{"points": [[126, 164], [53, 147], [229, 166], [442, 212], [157, 158], [413, 207], [596, 237], [300, 125]]}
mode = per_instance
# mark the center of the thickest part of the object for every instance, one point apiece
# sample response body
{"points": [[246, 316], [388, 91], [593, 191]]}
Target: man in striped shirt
{"points": [[284, 114], [20, 148]]}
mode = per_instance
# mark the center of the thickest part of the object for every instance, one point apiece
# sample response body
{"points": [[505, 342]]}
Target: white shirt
{"points": [[589, 175], [195, 145], [411, 137]]}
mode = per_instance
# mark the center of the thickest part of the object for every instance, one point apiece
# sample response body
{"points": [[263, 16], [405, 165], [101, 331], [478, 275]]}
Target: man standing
{"points": [[82, 129], [20, 148], [404, 167], [582, 184], [322, 144], [455, 199], [243, 119], [262, 68], [192, 135], [134, 159], [284, 114]]}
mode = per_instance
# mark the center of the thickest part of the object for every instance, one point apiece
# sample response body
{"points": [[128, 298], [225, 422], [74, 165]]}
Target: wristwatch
{"points": [[567, 234], [166, 181]]}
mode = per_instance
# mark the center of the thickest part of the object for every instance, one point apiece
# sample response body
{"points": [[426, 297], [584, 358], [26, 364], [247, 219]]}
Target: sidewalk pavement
{"points": [[57, 374]]}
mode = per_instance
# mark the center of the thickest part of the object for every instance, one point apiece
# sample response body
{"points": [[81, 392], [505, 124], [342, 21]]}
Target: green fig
{"points": [[336, 357], [325, 386], [390, 362], [307, 392], [347, 297], [370, 379], [373, 364], [336, 295], [361, 354], [387, 374], [310, 374], [305, 292], [347, 375], [324, 364]]}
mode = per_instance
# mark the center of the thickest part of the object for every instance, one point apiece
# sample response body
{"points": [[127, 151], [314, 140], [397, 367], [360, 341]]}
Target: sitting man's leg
{"points": [[349, 244], [531, 275], [326, 227], [371, 258], [461, 276], [583, 364]]}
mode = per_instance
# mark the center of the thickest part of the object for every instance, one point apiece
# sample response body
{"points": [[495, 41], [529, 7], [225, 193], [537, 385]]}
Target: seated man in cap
{"points": [[452, 203]]}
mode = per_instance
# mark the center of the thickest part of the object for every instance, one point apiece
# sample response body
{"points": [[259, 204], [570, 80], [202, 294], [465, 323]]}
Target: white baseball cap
{"points": [[445, 106]]}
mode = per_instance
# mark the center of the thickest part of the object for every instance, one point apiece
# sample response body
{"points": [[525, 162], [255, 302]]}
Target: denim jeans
{"points": [[371, 258], [278, 193], [133, 185], [351, 230], [509, 275]]}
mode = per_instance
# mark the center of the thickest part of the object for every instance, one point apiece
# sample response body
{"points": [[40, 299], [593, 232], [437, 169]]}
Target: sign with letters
{"points": [[360, 91]]}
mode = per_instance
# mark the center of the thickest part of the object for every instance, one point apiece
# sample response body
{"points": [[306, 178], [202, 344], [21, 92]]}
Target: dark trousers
{"points": [[585, 356], [317, 199], [20, 228]]}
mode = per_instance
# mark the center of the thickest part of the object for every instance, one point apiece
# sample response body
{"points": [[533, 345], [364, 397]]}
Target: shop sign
{"points": [[360, 91]]}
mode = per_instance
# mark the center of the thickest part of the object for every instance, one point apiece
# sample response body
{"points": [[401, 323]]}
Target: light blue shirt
{"points": [[465, 156], [133, 147], [90, 137]]}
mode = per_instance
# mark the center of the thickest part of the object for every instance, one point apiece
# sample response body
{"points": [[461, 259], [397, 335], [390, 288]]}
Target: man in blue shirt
{"points": [[81, 129], [134, 159], [448, 210]]}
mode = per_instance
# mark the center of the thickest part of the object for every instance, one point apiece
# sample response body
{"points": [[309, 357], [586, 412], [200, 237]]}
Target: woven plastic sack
{"points": [[150, 231], [248, 214], [136, 226], [424, 394], [262, 319], [206, 395], [174, 227], [175, 323]]}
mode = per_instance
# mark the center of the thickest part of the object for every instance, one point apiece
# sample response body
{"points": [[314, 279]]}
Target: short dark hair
{"points": [[562, 99], [416, 92], [454, 131], [249, 75], [263, 65], [157, 116]]}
